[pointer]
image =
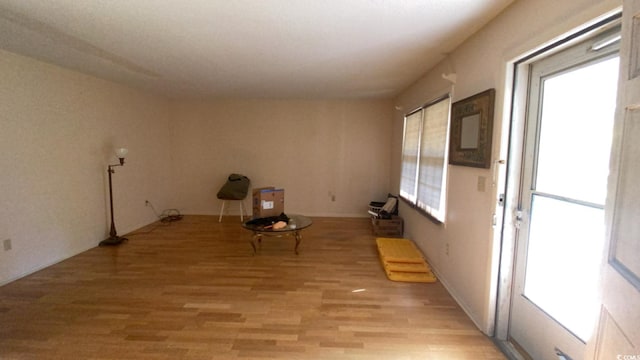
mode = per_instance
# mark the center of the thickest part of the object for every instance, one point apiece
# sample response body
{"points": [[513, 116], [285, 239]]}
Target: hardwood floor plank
{"points": [[193, 290]]}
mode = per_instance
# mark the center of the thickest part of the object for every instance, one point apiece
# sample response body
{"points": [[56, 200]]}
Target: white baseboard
{"points": [[478, 322]]}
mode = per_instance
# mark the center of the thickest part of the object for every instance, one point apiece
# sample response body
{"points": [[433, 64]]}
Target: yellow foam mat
{"points": [[402, 261], [399, 250], [406, 267]]}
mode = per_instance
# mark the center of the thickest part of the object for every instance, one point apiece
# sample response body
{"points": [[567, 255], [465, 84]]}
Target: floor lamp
{"points": [[113, 238]]}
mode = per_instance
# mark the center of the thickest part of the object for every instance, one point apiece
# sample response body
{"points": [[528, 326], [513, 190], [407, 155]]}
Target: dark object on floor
{"points": [[171, 215]]}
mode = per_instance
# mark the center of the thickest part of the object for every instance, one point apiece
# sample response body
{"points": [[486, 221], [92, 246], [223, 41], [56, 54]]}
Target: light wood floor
{"points": [[192, 290]]}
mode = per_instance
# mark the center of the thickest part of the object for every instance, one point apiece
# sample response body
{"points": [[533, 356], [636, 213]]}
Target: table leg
{"points": [[256, 236], [298, 240]]}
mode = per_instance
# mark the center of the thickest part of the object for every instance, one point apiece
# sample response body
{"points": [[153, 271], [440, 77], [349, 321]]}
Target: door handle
{"points": [[519, 216]]}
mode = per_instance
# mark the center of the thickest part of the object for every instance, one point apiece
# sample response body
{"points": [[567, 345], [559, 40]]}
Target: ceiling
{"points": [[246, 48]]}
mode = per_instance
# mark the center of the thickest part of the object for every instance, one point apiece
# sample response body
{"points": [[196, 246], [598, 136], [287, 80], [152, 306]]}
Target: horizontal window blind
{"points": [[424, 158], [410, 151]]}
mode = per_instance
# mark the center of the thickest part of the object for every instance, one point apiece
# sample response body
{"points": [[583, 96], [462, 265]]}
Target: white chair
{"points": [[235, 189], [242, 211]]}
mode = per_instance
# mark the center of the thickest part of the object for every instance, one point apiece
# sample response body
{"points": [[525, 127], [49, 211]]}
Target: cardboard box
{"points": [[393, 227], [267, 201]]}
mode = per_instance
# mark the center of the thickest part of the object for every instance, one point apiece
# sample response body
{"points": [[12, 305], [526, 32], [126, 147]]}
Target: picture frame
{"points": [[472, 130]]}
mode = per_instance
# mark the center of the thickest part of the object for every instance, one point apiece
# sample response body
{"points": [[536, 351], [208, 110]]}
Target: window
{"points": [[424, 157]]}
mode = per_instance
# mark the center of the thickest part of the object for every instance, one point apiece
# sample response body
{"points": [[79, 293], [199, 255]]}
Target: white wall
{"points": [[57, 132], [469, 270], [59, 128], [331, 156]]}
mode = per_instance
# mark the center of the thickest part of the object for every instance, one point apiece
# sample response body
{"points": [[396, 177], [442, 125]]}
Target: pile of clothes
{"points": [[271, 222]]}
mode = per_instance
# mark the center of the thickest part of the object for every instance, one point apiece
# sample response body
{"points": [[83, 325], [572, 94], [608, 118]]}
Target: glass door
{"points": [[571, 108]]}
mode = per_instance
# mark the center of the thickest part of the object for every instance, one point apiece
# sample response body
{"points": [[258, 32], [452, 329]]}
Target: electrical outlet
{"points": [[446, 249], [6, 244]]}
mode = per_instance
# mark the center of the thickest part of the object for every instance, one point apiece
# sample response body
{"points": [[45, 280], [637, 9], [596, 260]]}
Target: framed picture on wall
{"points": [[471, 130]]}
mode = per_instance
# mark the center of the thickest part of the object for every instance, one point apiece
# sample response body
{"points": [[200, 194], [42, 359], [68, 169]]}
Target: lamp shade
{"points": [[121, 152]]}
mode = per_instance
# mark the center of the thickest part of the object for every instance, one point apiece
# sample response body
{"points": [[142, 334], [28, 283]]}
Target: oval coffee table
{"points": [[296, 224]]}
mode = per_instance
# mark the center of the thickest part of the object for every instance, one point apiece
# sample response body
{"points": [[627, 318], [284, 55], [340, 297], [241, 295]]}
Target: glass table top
{"points": [[296, 222]]}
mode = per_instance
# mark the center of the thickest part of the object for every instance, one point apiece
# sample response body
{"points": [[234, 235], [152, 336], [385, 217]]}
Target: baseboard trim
{"points": [[46, 265], [461, 303]]}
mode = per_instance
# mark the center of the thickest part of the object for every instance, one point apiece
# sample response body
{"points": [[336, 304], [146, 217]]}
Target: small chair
{"points": [[236, 188]]}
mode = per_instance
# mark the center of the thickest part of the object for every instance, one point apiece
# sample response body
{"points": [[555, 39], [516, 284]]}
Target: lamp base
{"points": [[113, 240]]}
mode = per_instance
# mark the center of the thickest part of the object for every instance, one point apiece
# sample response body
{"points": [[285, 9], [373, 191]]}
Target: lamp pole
{"points": [[113, 238]]}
